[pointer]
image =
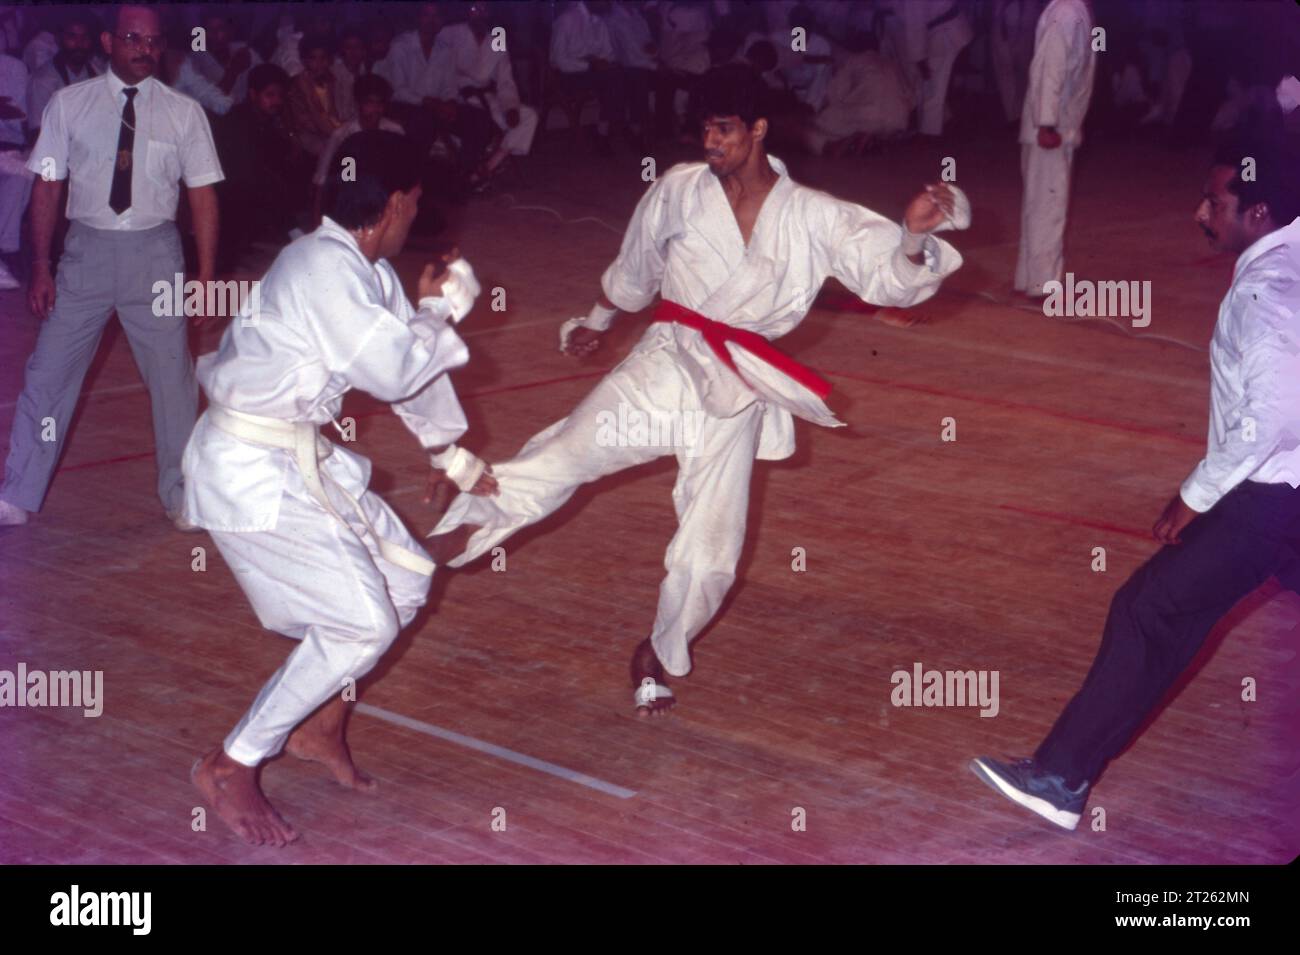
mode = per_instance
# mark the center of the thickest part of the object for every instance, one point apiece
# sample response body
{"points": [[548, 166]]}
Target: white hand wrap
{"points": [[598, 319], [461, 466], [960, 218], [459, 290], [1288, 93]]}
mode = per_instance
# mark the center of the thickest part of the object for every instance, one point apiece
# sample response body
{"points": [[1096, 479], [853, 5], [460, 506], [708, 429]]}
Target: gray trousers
{"points": [[101, 271]]}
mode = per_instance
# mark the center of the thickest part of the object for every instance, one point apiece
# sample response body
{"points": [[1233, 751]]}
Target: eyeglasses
{"points": [[142, 40]]}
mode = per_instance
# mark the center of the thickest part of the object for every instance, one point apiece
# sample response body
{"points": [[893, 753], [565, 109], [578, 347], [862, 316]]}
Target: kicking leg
{"points": [[712, 501]]}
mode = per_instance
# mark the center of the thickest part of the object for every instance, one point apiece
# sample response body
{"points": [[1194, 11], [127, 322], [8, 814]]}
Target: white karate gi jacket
{"points": [[330, 321], [1061, 73], [684, 244]]}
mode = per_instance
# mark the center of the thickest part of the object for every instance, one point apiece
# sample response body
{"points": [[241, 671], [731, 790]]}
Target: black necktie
{"points": [[119, 197]]}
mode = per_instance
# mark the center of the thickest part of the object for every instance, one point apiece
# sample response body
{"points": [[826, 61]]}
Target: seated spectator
{"points": [[75, 61], [312, 108], [372, 94], [582, 58], [483, 77], [265, 192], [217, 76]]}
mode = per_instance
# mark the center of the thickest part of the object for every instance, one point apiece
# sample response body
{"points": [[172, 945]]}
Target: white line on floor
{"points": [[491, 749]]}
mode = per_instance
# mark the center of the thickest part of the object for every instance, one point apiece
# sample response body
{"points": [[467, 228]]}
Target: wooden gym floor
{"points": [[972, 554]]}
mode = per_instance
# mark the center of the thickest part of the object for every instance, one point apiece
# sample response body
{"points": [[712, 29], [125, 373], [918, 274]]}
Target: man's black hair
{"points": [[382, 163], [732, 90], [267, 74], [315, 41], [1275, 171]]}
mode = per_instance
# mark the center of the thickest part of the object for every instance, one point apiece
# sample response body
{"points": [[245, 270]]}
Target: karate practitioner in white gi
{"points": [[482, 76], [737, 251], [322, 559], [1051, 129]]}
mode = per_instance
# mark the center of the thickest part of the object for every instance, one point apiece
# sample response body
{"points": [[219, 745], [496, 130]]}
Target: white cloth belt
{"points": [[309, 448]]}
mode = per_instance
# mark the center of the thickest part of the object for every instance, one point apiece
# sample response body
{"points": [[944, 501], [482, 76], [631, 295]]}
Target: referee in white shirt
{"points": [[123, 140], [1236, 519]]}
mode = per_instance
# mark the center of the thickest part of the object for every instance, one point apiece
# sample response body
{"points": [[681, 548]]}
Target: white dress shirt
{"points": [[413, 75], [336, 140], [1254, 375], [629, 34], [78, 140], [477, 64], [200, 77], [684, 38], [1061, 73], [578, 33]]}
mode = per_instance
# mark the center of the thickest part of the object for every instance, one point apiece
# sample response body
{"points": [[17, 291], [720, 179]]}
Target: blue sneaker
{"points": [[1025, 784]]}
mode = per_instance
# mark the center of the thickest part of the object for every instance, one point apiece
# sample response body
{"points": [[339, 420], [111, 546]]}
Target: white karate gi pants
{"points": [[934, 91], [324, 584], [1046, 173], [711, 495]]}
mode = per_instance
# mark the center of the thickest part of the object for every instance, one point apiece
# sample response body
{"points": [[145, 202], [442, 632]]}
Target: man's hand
{"points": [[1048, 137], [928, 210], [582, 342], [440, 489], [9, 111], [40, 293], [199, 315], [435, 275], [1177, 515]]}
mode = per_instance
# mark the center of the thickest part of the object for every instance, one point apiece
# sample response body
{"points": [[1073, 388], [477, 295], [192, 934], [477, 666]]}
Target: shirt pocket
{"points": [[162, 162]]}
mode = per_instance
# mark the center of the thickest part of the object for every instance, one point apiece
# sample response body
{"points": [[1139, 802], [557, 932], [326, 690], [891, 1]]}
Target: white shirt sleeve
{"points": [[1260, 416], [52, 143], [198, 154], [194, 84], [358, 338], [1049, 65]]}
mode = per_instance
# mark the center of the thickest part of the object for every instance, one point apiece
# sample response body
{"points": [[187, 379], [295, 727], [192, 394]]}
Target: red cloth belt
{"points": [[717, 334]]}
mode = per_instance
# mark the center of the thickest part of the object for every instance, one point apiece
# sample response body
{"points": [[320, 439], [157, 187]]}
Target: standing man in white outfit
{"points": [[483, 77], [322, 559], [934, 32], [737, 251], [1051, 129]]}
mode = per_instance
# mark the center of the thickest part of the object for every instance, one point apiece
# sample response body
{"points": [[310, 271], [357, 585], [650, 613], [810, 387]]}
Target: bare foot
{"points": [[646, 666], [444, 548], [231, 789], [320, 739]]}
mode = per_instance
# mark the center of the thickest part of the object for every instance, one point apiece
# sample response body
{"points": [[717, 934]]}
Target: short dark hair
{"points": [[315, 41], [267, 74], [372, 85], [732, 90], [80, 16], [1276, 169], [384, 163]]}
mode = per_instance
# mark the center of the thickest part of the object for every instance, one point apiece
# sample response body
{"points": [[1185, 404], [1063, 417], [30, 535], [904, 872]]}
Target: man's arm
{"points": [[884, 264], [1266, 417], [203, 210], [45, 202]]}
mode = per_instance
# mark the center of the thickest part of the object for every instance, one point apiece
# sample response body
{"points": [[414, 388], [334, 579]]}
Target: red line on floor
{"points": [[1016, 406], [1078, 521]]}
